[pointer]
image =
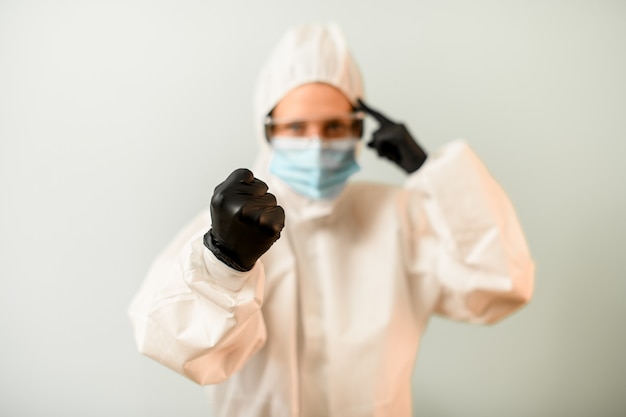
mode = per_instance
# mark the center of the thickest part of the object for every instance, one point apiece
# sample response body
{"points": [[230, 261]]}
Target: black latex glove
{"points": [[393, 141], [246, 220]]}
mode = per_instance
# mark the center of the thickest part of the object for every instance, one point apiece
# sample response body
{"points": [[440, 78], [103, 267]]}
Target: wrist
{"points": [[223, 253], [414, 163]]}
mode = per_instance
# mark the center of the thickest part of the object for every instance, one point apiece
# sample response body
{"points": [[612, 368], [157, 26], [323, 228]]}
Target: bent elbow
{"points": [[491, 307], [219, 363]]}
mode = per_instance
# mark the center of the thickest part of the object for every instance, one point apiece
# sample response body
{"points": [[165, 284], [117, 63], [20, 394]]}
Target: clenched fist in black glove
{"points": [[393, 141], [246, 220]]}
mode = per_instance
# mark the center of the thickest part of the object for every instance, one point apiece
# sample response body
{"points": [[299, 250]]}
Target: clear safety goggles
{"points": [[340, 126]]}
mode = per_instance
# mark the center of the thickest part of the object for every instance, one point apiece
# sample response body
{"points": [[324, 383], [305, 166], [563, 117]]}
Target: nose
{"points": [[315, 129]]}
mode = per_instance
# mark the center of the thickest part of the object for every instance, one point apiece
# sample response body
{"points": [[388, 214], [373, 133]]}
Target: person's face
{"points": [[314, 110]]}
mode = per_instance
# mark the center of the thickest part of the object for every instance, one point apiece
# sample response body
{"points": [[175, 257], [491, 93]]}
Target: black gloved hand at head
{"points": [[246, 220], [393, 141]]}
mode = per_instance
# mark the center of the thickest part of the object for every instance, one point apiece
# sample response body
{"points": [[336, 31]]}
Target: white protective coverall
{"points": [[328, 321]]}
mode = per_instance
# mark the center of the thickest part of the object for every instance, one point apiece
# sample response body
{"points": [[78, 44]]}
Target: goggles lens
{"points": [[341, 126]]}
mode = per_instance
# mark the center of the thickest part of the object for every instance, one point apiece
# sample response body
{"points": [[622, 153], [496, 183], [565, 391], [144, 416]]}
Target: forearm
{"points": [[197, 316], [482, 260]]}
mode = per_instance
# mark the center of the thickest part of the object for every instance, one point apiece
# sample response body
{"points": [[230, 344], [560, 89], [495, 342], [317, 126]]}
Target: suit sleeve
{"points": [[464, 236], [196, 315]]}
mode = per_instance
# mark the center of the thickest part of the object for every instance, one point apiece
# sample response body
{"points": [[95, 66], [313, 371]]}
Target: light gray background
{"points": [[117, 119]]}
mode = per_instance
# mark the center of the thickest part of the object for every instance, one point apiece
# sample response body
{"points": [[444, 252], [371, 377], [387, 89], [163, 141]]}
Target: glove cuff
{"points": [[222, 253], [414, 163], [414, 158]]}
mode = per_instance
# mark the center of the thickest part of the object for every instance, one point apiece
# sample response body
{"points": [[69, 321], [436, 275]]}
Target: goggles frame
{"points": [[354, 119]]}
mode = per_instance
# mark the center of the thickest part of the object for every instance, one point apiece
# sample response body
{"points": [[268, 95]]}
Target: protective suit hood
{"points": [[305, 54]]}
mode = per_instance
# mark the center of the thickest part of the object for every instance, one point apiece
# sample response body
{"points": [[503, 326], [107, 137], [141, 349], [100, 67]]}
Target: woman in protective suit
{"points": [[300, 293]]}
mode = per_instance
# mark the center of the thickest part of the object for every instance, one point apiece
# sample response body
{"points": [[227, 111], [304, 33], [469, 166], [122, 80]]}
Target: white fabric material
{"points": [[329, 320], [308, 53]]}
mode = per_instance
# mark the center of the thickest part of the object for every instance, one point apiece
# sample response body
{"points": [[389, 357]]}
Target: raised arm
{"points": [[199, 309]]}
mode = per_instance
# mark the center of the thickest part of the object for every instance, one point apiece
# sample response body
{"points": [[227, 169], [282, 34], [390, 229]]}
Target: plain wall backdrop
{"points": [[118, 118]]}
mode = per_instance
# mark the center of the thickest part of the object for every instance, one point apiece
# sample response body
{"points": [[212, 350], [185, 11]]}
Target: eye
{"points": [[294, 127], [336, 128], [289, 129]]}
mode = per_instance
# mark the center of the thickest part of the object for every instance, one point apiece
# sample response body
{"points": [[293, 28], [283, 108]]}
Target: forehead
{"points": [[312, 100]]}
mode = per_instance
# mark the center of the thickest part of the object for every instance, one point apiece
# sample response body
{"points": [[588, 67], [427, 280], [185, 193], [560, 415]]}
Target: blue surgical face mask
{"points": [[314, 168]]}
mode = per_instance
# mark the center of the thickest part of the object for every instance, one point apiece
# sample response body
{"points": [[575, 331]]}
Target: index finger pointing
{"points": [[380, 118]]}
